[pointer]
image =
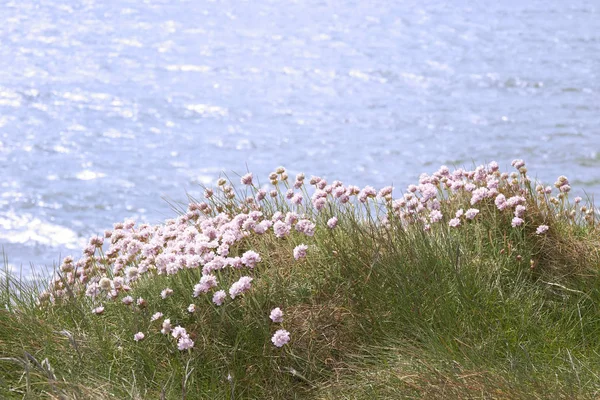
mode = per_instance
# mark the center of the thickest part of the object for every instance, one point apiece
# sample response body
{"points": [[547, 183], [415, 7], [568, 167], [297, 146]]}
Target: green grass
{"points": [[375, 310]]}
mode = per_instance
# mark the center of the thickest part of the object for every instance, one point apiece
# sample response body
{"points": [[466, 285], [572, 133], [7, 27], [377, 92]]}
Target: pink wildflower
{"points": [[185, 343], [191, 308], [239, 287], [138, 336], [501, 202], [519, 210], [281, 229], [320, 203], [332, 222], [251, 258], [178, 331], [247, 179], [280, 338], [471, 213], [300, 251], [219, 297], [541, 229], [206, 283], [127, 300], [156, 316], [435, 216], [98, 310], [166, 293], [276, 315], [166, 327], [454, 222], [306, 226], [297, 199], [516, 221]]}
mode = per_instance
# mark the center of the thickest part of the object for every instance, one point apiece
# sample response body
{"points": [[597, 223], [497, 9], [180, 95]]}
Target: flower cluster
{"points": [[209, 235]]}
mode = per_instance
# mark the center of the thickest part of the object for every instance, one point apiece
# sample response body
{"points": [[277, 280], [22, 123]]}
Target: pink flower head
{"points": [[239, 287], [138, 336], [219, 297], [332, 222], [250, 258], [454, 222], [127, 300], [306, 226], [386, 191], [519, 210], [435, 216], [297, 199], [191, 308], [518, 164], [471, 213], [166, 327], [501, 202], [516, 221], [156, 316], [300, 251], [178, 331], [206, 283], [247, 179], [281, 229], [280, 338], [541, 229], [185, 343], [98, 310], [276, 315], [166, 293]]}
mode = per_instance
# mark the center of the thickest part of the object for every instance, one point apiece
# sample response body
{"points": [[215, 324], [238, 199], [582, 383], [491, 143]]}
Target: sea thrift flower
{"points": [[435, 216], [239, 287], [127, 300], [306, 226], [281, 229], [251, 258], [501, 202], [156, 316], [98, 310], [541, 229], [191, 308], [454, 222], [519, 210], [185, 343], [300, 251], [332, 222], [166, 293], [471, 213], [178, 331], [577, 200], [516, 221], [518, 164], [138, 336], [219, 297], [320, 203], [206, 283], [166, 327], [280, 338], [247, 179], [276, 315]]}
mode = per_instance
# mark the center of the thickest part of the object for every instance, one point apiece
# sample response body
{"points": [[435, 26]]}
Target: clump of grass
{"points": [[470, 284]]}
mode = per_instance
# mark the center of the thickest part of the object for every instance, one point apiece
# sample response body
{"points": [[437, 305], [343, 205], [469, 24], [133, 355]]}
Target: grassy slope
{"points": [[482, 311]]}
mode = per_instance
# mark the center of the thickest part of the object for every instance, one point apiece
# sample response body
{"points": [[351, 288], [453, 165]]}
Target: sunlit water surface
{"points": [[106, 106]]}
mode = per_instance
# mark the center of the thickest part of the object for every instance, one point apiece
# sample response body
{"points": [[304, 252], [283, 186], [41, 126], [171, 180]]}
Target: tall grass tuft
{"points": [[471, 284]]}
